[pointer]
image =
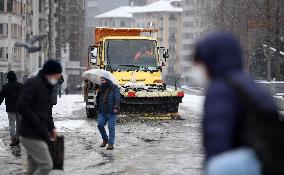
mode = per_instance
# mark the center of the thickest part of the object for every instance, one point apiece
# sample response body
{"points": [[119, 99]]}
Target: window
{"points": [[140, 53], [188, 24], [188, 46], [172, 16], [14, 30], [188, 35], [40, 6], [122, 24], [10, 5], [1, 5], [189, 2], [2, 52], [1, 29], [189, 13]]}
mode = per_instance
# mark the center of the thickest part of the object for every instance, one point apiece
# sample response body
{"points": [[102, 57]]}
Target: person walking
{"points": [[219, 58], [108, 100], [10, 92], [37, 126]]}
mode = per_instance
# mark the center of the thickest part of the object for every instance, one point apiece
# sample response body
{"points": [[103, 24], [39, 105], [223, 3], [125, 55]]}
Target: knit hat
{"points": [[51, 67], [11, 76]]}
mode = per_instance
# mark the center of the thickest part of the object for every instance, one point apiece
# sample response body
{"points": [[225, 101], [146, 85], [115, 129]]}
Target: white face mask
{"points": [[199, 76], [53, 81]]}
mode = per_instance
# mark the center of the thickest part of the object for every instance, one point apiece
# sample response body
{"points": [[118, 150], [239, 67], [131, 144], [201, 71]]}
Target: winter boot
{"points": [[14, 141], [110, 147], [104, 143]]}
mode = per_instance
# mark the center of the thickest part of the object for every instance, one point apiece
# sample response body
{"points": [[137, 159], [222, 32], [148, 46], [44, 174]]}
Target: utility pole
{"points": [[51, 34], [268, 58]]}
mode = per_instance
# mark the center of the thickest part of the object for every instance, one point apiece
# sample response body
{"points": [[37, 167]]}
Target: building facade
{"points": [[12, 29], [37, 23], [118, 17], [193, 27], [165, 16], [71, 47]]}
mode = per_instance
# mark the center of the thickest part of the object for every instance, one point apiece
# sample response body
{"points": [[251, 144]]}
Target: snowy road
{"points": [[152, 147]]}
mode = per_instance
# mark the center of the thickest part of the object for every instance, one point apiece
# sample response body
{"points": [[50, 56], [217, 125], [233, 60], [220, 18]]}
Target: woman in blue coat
{"points": [[108, 100], [219, 56]]}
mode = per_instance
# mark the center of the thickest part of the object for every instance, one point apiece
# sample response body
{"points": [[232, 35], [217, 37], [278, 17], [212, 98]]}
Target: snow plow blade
{"points": [[166, 102]]}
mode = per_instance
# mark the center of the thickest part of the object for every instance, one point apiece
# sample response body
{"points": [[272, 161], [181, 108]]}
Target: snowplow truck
{"points": [[136, 60]]}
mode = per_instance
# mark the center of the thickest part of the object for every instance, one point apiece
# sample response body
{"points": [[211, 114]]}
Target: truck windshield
{"points": [[131, 55]]}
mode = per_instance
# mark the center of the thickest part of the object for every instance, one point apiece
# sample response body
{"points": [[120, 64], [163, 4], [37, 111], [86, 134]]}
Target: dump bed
{"points": [[101, 32]]}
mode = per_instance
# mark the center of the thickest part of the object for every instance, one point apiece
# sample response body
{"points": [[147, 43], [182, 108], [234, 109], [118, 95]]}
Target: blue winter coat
{"points": [[114, 99], [224, 110]]}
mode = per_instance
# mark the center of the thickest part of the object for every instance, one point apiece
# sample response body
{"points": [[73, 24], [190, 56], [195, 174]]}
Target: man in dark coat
{"points": [[108, 101], [10, 92], [219, 55], [37, 127]]}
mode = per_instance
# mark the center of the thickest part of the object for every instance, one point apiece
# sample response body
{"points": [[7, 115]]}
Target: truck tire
{"points": [[91, 113]]}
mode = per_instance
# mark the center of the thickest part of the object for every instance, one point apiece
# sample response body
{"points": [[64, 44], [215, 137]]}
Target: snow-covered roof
{"points": [[119, 12], [159, 6], [127, 11]]}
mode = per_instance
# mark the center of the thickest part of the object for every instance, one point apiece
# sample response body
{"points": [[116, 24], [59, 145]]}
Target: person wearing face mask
{"points": [[219, 57], [37, 126], [108, 100]]}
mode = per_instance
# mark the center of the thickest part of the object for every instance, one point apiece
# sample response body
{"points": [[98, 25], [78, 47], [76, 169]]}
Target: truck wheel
{"points": [[91, 113]]}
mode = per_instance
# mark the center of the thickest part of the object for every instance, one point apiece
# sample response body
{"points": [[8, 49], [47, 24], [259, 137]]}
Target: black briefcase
{"points": [[56, 149]]}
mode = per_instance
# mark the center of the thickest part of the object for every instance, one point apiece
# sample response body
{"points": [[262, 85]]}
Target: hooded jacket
{"points": [[113, 98], [35, 107], [224, 111]]}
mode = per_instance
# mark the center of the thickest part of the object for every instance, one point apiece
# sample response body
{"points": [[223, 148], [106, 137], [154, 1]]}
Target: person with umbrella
{"points": [[108, 101]]}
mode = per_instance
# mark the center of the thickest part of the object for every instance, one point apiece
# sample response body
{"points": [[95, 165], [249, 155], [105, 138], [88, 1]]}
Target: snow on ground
{"points": [[193, 102], [3, 116], [64, 118], [70, 103], [67, 104]]}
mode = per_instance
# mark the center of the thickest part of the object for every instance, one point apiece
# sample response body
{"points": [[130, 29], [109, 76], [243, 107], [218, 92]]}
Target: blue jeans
{"points": [[111, 120], [241, 161]]}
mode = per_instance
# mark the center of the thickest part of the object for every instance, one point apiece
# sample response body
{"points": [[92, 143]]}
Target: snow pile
{"points": [[67, 105], [3, 116], [193, 102]]}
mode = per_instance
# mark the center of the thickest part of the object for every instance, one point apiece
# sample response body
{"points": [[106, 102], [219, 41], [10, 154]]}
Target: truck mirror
{"points": [[94, 54], [94, 60], [165, 53]]}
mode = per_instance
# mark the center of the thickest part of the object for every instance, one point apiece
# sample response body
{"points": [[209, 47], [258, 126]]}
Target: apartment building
{"points": [[193, 27], [12, 29], [118, 17], [166, 16], [37, 23], [71, 48]]}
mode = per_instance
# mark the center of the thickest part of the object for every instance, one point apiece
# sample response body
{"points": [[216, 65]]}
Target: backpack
{"points": [[263, 131]]}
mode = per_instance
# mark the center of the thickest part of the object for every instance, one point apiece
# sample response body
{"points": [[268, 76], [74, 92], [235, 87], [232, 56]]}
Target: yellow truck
{"points": [[134, 57]]}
